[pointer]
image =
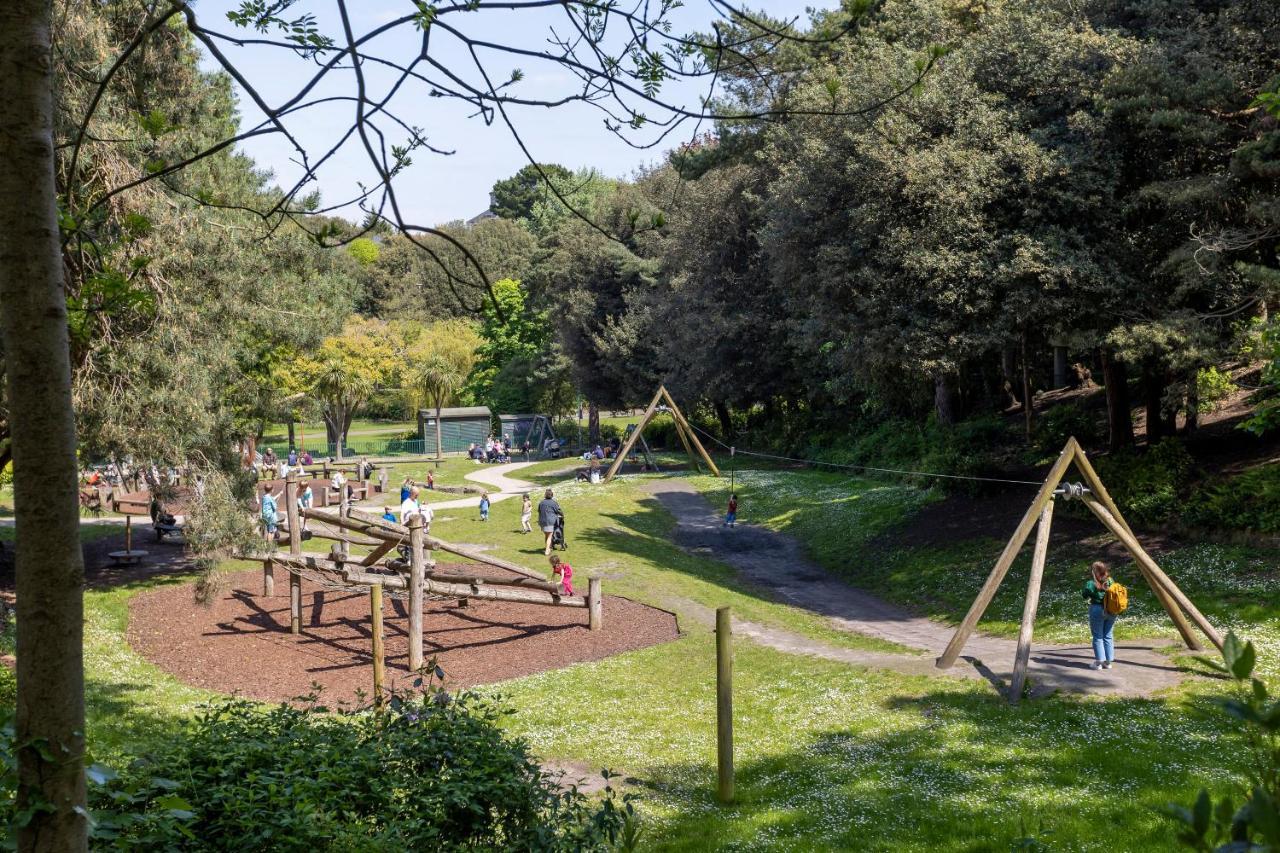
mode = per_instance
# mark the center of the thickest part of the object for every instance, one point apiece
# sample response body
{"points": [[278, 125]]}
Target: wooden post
{"points": [[1156, 573], [268, 577], [128, 533], [1007, 556], [326, 470], [417, 569], [1023, 656], [344, 510], [680, 421], [382, 480], [375, 625], [295, 548], [724, 706], [1094, 482], [595, 603]]}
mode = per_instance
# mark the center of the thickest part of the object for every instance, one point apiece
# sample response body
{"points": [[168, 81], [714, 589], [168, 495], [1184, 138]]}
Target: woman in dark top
{"points": [[548, 511], [1101, 622]]}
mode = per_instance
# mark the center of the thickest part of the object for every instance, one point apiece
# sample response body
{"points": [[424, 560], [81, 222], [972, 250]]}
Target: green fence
{"points": [[363, 447]]}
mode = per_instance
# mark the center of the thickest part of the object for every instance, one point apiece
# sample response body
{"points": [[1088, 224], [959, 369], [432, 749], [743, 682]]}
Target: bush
{"points": [[431, 773], [1212, 387], [1248, 501], [1062, 422], [1148, 487]]}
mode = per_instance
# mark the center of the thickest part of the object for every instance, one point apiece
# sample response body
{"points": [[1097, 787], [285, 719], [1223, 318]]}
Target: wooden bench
{"points": [[162, 530]]}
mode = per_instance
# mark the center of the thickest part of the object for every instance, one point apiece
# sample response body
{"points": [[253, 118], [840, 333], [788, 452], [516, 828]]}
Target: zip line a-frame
{"points": [[662, 400], [1040, 515]]}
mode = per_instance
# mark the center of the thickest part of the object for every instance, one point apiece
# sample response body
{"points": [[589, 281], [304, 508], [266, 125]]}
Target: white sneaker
{"points": [[1098, 664], [1107, 665]]}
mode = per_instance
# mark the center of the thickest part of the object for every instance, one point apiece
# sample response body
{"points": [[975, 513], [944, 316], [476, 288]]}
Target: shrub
{"points": [[430, 773], [1248, 501], [1058, 424], [1148, 486], [1255, 824], [1212, 387]]}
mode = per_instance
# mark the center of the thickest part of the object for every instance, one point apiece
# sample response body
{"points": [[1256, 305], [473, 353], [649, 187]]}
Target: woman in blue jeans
{"points": [[1100, 621]]}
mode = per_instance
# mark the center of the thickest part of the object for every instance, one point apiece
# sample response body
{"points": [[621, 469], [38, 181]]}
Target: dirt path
{"points": [[776, 564]]}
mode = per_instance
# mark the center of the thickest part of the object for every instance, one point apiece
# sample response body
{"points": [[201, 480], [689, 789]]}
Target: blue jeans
{"points": [[730, 518], [1100, 624]]}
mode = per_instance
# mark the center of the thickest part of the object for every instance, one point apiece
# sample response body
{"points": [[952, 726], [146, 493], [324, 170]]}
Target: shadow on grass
{"points": [[965, 773]]}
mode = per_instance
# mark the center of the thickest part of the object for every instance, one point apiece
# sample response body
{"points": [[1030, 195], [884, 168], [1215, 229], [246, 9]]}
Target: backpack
{"points": [[1116, 601]]}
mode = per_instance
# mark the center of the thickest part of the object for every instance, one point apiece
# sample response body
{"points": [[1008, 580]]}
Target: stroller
{"points": [[557, 535]]}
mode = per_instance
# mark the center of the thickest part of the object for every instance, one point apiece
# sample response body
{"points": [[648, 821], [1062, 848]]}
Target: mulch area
{"points": [[241, 643]]}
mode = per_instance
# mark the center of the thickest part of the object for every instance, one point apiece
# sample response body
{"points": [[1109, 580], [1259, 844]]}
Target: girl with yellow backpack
{"points": [[1107, 600]]}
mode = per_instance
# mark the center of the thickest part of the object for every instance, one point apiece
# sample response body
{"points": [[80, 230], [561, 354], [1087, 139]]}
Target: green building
{"points": [[459, 428]]}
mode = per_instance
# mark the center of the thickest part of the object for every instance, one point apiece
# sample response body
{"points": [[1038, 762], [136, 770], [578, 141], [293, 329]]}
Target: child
{"points": [[388, 515], [731, 517], [306, 500], [562, 573], [431, 481], [484, 506], [526, 512], [270, 514], [404, 489]]}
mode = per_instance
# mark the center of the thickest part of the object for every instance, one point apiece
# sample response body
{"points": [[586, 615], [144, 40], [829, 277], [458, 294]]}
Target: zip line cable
{"points": [[735, 450]]}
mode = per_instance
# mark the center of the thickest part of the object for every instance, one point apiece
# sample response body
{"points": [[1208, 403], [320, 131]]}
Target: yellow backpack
{"points": [[1116, 601]]}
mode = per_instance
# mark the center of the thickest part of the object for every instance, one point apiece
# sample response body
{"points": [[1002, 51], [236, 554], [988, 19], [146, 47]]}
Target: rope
{"points": [[736, 450]]}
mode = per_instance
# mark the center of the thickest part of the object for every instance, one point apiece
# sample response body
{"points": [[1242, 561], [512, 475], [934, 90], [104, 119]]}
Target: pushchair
{"points": [[557, 534]]}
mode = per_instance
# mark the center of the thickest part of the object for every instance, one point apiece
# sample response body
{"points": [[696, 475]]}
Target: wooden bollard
{"points": [[417, 574], [268, 578], [595, 603], [379, 654], [724, 706], [344, 511], [382, 480], [295, 548]]}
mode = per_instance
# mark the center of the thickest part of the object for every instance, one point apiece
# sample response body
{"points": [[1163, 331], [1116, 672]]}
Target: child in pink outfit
{"points": [[562, 573]]}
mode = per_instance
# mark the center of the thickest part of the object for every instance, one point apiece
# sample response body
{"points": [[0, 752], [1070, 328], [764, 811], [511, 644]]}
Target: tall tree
{"points": [[515, 197], [345, 372]]}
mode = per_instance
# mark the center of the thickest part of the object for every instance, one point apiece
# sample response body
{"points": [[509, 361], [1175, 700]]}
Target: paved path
{"points": [[777, 564], [499, 486]]}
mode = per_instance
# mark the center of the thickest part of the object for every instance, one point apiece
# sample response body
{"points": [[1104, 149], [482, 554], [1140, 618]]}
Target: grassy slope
{"points": [[829, 756]]}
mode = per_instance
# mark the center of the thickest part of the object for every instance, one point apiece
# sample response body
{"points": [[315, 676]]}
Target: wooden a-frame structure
{"points": [[683, 430], [1040, 514]]}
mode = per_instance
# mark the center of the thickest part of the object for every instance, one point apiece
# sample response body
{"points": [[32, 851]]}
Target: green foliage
{"points": [[364, 250], [1247, 501], [1253, 822], [515, 197], [1267, 414], [1149, 486], [1212, 387], [432, 772], [1054, 427]]}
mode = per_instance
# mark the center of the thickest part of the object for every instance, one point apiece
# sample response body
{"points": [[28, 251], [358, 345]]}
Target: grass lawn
{"points": [[829, 756], [360, 428]]}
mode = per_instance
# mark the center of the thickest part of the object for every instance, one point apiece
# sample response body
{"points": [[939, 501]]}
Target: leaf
{"points": [[1242, 667]]}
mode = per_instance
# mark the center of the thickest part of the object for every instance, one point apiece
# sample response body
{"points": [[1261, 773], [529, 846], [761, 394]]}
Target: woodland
{"points": [[943, 235]]}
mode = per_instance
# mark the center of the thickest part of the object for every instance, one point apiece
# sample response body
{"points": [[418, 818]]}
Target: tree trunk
{"points": [[593, 423], [1152, 394], [944, 399], [290, 424], [1193, 402], [726, 422], [1028, 401], [1061, 376], [439, 433], [1119, 412], [332, 425], [47, 558], [1008, 368]]}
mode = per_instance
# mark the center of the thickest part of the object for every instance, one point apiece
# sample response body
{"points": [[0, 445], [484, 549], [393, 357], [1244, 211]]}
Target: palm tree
{"points": [[439, 378]]}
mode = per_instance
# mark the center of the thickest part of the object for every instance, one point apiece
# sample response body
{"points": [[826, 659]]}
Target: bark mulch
{"points": [[241, 642]]}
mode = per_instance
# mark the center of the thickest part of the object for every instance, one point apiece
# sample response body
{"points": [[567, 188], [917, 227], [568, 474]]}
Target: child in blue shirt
{"points": [[484, 506]]}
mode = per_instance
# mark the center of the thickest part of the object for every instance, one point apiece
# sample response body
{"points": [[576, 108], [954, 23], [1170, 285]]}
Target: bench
{"points": [[162, 530]]}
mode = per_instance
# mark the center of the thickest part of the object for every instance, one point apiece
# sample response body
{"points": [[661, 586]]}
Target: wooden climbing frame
{"points": [[683, 430]]}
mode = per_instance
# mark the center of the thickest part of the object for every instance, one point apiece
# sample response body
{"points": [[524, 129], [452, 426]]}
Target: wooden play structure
{"points": [[662, 401], [1040, 515], [412, 577]]}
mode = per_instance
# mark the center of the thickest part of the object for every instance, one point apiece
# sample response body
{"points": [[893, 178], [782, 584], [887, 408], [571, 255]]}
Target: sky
{"points": [[436, 189]]}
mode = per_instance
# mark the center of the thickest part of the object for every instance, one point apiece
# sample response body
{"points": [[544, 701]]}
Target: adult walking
{"points": [[548, 513], [1101, 621]]}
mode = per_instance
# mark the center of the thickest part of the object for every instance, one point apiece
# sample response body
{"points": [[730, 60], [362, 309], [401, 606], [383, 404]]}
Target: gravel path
{"points": [[778, 565]]}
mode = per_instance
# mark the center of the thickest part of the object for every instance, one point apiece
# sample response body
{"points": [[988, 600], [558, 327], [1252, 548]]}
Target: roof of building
{"points": [[528, 416], [461, 412]]}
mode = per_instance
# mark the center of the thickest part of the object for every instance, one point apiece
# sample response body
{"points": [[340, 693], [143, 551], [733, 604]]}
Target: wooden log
{"points": [[380, 550], [355, 576], [679, 416], [1023, 655], [1142, 557], [343, 510], [1007, 556], [724, 706], [375, 625], [416, 581], [625, 450], [268, 577], [485, 592], [522, 582], [595, 604], [378, 528], [295, 549], [688, 448], [1094, 482], [480, 557]]}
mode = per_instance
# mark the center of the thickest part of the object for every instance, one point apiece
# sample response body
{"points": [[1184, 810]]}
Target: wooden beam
{"points": [[1141, 556], [635, 435], [268, 578], [1020, 534], [681, 422], [1094, 482], [359, 578], [496, 593], [480, 557], [375, 626], [295, 548], [416, 580], [595, 604], [377, 553], [521, 582], [1023, 655]]}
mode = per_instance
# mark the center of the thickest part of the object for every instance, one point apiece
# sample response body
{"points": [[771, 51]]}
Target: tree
{"points": [[514, 197], [345, 371], [437, 365]]}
